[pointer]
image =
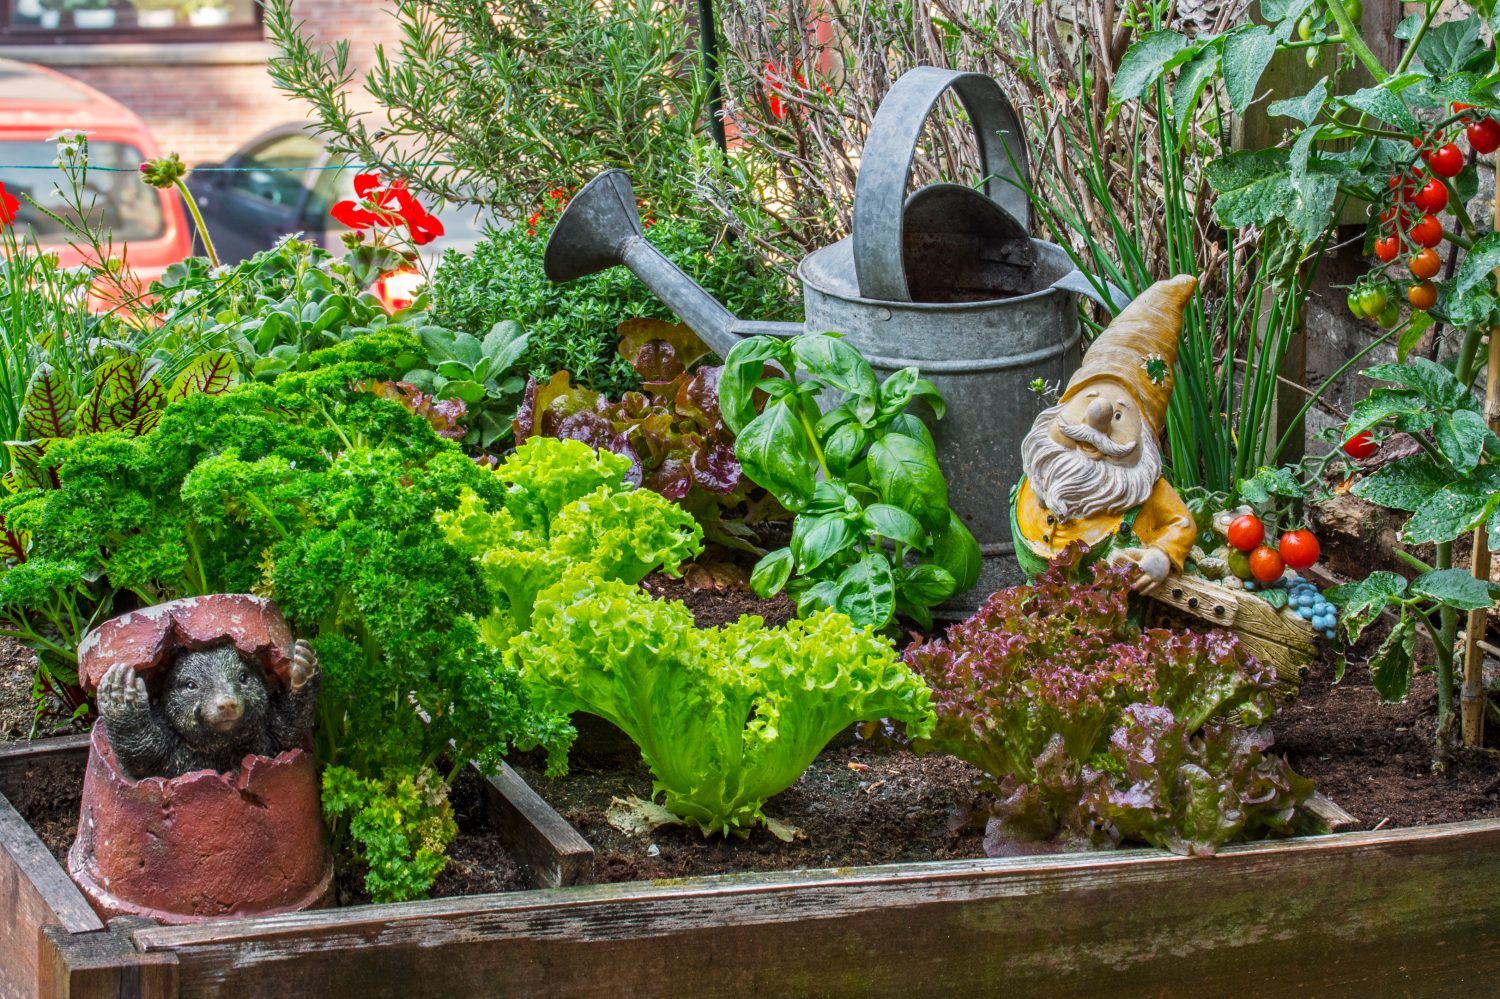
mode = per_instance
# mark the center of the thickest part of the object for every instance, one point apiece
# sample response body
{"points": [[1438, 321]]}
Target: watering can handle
{"points": [[1113, 299], [885, 168]]}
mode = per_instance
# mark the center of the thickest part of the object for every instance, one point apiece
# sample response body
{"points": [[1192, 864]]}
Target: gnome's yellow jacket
{"points": [[1163, 521]]}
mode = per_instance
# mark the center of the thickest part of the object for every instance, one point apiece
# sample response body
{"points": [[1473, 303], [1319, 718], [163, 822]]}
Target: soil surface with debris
{"points": [[858, 804], [1377, 761]]}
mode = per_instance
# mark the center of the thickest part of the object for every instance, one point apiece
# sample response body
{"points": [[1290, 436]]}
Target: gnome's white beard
{"points": [[1072, 485]]}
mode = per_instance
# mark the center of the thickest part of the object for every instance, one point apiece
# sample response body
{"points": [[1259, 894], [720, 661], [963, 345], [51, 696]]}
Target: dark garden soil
{"points": [[858, 804], [1376, 760]]}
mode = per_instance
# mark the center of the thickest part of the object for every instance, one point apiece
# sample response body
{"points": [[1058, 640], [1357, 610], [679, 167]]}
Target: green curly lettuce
{"points": [[565, 505], [725, 717]]}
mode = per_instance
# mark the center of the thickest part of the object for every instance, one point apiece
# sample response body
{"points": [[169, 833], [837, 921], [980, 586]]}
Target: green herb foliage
{"points": [[615, 84], [278, 309], [725, 717], [1094, 732], [572, 327], [324, 498], [874, 534]]}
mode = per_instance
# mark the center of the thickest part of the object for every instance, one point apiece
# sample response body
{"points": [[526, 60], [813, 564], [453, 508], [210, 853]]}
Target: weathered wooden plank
{"points": [[534, 832], [1361, 914], [19, 760], [104, 965], [34, 892]]}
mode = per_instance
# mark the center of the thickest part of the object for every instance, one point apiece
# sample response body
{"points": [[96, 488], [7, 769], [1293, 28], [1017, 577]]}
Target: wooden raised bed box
{"points": [[1356, 914]]}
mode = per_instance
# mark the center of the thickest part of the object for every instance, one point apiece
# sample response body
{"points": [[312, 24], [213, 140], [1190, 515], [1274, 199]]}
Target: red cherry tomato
{"points": [[1424, 264], [1299, 549], [1266, 564], [1386, 248], [1428, 232], [1484, 135], [1361, 446], [1422, 296], [1432, 197], [1246, 531], [1446, 161]]}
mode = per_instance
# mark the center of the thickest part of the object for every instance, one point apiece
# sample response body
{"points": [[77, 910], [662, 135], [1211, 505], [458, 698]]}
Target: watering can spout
{"points": [[601, 229]]}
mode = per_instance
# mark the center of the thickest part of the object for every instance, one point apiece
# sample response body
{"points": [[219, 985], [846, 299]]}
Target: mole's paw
{"points": [[304, 665], [122, 694]]}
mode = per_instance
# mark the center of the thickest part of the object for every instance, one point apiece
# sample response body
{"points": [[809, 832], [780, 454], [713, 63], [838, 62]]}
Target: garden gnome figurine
{"points": [[1092, 464]]}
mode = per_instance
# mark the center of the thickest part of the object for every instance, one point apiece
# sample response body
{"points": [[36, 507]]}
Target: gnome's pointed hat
{"points": [[1140, 347]]}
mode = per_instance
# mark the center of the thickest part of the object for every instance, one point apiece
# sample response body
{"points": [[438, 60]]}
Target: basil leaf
{"points": [[906, 474], [773, 451], [771, 573], [866, 591]]}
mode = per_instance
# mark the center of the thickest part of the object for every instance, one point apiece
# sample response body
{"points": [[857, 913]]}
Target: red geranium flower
{"points": [[387, 206], [776, 77], [9, 206]]}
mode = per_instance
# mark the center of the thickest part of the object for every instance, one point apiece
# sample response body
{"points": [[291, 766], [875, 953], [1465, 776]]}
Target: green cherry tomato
{"points": [[1372, 298], [1390, 315], [1314, 57], [1239, 563], [1356, 305], [1304, 28], [1355, 9]]}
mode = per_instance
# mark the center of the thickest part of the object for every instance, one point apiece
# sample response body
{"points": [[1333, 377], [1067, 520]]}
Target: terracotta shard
{"points": [[148, 638]]}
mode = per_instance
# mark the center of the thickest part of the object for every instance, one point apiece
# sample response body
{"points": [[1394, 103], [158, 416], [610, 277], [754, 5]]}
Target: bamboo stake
{"points": [[1472, 695]]}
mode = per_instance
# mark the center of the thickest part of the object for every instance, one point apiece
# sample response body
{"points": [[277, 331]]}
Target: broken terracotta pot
{"points": [[204, 845]]}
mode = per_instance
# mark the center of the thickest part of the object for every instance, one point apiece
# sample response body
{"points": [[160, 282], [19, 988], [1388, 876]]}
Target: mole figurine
{"points": [[214, 710]]}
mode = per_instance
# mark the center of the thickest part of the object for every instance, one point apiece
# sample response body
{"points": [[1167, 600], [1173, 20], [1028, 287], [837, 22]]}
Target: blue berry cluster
{"points": [[1311, 606]]}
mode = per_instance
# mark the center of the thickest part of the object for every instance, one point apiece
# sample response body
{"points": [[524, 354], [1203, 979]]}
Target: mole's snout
{"points": [[223, 711]]}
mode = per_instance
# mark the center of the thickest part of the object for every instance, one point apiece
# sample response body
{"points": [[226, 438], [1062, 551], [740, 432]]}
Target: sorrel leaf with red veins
{"points": [[49, 406], [209, 374]]}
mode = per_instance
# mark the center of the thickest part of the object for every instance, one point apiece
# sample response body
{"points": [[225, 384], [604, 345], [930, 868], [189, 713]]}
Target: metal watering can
{"points": [[948, 280]]}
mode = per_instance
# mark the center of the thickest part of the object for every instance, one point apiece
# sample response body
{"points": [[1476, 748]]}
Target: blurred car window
{"points": [[115, 199], [270, 172]]}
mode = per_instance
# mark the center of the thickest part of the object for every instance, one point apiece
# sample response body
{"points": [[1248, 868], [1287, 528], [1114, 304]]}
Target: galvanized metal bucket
{"points": [[981, 346]]}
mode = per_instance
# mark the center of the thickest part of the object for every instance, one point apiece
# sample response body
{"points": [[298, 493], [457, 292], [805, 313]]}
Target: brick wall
{"points": [[205, 111]]}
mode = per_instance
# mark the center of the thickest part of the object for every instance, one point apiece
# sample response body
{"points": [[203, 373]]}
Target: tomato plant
{"points": [[1245, 532], [1299, 549], [1446, 161], [1483, 135], [1266, 564], [1425, 264], [1422, 296], [1373, 299], [1427, 232], [1361, 446], [1432, 197]]}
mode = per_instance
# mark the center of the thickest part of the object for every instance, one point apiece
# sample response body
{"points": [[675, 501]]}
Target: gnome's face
{"points": [[1103, 421]]}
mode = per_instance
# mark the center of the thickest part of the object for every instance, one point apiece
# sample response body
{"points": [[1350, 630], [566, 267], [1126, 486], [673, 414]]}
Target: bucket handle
{"points": [[885, 168]]}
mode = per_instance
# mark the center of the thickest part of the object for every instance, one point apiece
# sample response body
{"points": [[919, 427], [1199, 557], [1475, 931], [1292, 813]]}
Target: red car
{"points": [[149, 226]]}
